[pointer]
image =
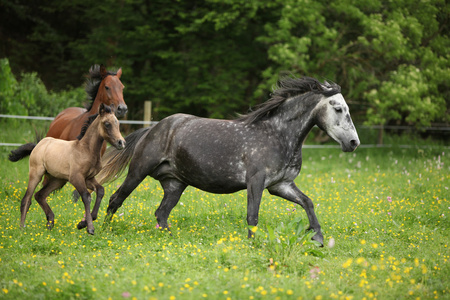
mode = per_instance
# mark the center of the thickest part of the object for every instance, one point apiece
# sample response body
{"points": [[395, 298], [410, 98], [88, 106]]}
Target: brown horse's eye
{"points": [[106, 87], [107, 125]]}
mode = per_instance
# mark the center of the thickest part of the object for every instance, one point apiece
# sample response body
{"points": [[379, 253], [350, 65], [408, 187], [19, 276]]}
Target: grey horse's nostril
{"points": [[354, 143]]}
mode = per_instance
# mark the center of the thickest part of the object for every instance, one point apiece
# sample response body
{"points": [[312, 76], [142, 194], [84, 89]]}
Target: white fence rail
{"points": [[304, 146]]}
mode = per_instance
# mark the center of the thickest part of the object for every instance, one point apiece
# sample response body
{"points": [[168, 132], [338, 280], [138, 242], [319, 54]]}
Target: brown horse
{"points": [[102, 86], [76, 161]]}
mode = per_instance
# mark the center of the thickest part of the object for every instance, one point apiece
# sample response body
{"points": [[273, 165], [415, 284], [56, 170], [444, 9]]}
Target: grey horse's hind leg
{"points": [[172, 193], [117, 199], [255, 188], [291, 192]]}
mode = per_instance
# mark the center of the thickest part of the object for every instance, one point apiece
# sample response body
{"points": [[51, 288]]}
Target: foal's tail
{"points": [[21, 152], [115, 161]]}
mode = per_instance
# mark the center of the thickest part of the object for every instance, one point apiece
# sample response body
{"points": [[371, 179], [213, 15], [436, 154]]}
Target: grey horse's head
{"points": [[333, 116]]}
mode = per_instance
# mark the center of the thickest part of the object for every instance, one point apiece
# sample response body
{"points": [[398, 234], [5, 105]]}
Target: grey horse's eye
{"points": [[338, 109]]}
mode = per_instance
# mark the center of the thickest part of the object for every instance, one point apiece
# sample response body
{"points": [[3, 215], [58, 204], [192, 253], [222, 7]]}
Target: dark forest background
{"points": [[218, 58]]}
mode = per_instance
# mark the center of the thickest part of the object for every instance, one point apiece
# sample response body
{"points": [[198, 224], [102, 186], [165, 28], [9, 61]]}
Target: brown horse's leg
{"points": [[79, 183], [50, 185], [35, 177], [92, 184]]}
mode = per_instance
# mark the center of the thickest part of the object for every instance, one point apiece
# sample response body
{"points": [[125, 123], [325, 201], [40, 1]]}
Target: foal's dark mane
{"points": [[90, 120], [286, 88], [94, 78], [86, 125]]}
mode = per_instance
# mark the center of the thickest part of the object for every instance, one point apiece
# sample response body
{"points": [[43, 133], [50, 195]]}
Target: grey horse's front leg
{"points": [[291, 192]]}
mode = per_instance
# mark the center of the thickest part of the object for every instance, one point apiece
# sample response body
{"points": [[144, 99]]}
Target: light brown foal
{"points": [[77, 162]]}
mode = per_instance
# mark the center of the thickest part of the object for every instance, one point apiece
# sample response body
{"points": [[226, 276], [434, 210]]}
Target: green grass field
{"points": [[387, 211]]}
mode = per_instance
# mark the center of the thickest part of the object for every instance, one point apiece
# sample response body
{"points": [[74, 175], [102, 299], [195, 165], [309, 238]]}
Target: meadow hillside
{"points": [[384, 214]]}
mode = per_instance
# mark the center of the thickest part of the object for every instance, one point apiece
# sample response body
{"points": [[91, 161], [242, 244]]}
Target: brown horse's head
{"points": [[105, 87], [109, 127]]}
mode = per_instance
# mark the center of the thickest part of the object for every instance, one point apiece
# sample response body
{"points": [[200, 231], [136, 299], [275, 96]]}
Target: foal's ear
{"points": [[103, 71], [101, 109], [119, 73]]}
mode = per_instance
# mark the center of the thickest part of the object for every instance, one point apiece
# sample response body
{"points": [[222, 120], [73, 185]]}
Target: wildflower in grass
{"points": [[314, 272], [347, 263], [331, 243], [389, 199]]}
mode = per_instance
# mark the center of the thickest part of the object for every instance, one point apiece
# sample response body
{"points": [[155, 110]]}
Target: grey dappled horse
{"points": [[257, 151]]}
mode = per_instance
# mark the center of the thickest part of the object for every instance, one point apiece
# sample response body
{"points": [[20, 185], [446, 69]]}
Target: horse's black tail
{"points": [[115, 161], [21, 152], [25, 150]]}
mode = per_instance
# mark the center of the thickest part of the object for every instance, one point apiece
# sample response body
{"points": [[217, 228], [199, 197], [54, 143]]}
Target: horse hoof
{"points": [[319, 239], [90, 231], [50, 225], [81, 225]]}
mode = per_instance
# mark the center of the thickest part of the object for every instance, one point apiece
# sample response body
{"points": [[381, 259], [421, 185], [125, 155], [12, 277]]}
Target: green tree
{"points": [[391, 57], [215, 58]]}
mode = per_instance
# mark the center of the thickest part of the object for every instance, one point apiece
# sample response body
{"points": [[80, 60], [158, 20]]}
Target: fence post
{"points": [[147, 112]]}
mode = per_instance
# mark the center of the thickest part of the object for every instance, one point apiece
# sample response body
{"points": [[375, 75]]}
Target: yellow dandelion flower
{"points": [[347, 263]]}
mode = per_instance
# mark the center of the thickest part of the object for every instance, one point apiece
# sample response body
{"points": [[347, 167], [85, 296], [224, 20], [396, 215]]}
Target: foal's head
{"points": [[109, 127]]}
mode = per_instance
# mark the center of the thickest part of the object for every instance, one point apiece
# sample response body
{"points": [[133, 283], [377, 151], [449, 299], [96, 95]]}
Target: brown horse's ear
{"points": [[103, 71], [119, 73]]}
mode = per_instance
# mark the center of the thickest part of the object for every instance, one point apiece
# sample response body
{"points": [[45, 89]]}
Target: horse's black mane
{"points": [[286, 88], [92, 84], [86, 125], [91, 119]]}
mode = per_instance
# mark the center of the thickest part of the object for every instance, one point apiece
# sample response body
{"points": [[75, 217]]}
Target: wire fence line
{"points": [[51, 119], [304, 146]]}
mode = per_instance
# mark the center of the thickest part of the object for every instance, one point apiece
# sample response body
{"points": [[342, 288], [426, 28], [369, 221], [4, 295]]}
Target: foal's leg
{"points": [[291, 192], [35, 177], [255, 188], [172, 193], [79, 183], [92, 184], [50, 185]]}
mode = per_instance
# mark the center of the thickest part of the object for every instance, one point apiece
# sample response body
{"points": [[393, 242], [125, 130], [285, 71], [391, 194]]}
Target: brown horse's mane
{"points": [[94, 78], [286, 88]]}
